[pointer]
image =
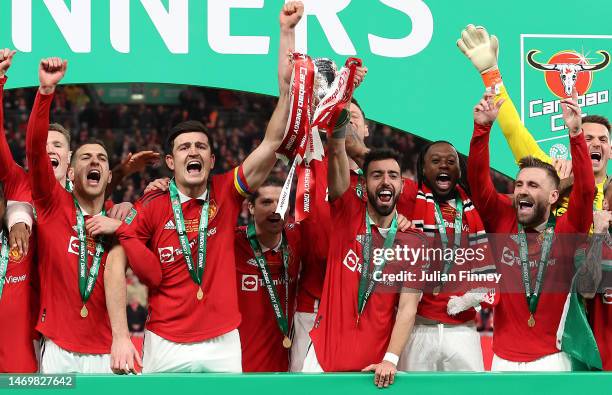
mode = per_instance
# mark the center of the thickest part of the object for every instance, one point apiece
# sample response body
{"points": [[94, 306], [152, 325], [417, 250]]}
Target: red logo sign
{"points": [[166, 254], [568, 69], [607, 296], [249, 282]]}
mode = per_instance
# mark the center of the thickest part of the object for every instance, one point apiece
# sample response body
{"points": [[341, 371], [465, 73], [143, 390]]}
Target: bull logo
{"points": [[568, 69]]}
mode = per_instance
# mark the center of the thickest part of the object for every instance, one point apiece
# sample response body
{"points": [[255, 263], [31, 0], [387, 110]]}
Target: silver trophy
{"points": [[325, 74]]}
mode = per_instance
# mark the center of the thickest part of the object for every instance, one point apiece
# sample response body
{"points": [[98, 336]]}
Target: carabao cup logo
{"points": [[568, 69]]}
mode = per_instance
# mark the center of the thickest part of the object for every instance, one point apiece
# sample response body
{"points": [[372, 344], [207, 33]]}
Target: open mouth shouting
{"points": [[596, 158], [525, 206], [385, 195], [274, 218], [93, 177], [54, 162], [194, 167], [444, 182]]}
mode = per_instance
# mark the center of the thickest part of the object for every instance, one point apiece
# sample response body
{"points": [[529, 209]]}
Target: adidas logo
{"points": [[170, 225]]}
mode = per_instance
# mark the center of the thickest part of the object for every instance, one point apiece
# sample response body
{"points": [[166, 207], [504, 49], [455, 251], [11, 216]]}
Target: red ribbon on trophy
{"points": [[331, 106], [302, 143]]}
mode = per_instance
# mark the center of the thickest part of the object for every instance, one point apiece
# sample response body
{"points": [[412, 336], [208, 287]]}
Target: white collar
{"points": [[85, 213], [184, 198], [265, 249]]}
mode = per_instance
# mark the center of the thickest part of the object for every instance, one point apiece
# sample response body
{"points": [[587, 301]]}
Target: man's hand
{"points": [[360, 74], [161, 184], [102, 225], [123, 355], [480, 48], [403, 223], [19, 238], [572, 114], [602, 219], [486, 110], [137, 162], [120, 211], [563, 167], [6, 59], [384, 373], [50, 73], [291, 14]]}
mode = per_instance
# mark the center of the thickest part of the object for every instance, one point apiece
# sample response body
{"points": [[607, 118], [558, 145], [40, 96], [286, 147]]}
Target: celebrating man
{"points": [[482, 50], [193, 307], [357, 328], [267, 266], [527, 317], [73, 317]]}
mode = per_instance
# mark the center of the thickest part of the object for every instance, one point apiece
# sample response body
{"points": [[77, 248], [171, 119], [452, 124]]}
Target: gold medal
{"points": [[84, 312], [531, 321], [200, 294], [286, 342]]}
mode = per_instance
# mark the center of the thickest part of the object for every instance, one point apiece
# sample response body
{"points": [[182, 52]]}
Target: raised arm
{"points": [[338, 169], [7, 164], [486, 199], [483, 50], [580, 207], [290, 15], [42, 178]]}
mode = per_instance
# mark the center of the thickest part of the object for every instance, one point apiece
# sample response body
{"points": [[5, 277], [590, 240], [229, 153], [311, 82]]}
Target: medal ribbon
{"points": [[196, 273], [533, 298], [4, 258], [281, 316], [87, 280], [366, 281], [441, 225]]}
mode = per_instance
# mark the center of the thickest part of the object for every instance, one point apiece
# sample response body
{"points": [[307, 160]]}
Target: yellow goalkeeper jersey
{"points": [[523, 144]]}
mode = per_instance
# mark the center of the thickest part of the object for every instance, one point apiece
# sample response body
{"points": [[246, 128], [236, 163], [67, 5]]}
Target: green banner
{"points": [[321, 384], [418, 80]]}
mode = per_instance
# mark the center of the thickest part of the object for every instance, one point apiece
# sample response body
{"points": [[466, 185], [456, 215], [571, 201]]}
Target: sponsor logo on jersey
{"points": [[607, 296], [15, 279], [166, 254], [252, 262], [507, 256], [249, 282], [170, 225], [351, 260]]}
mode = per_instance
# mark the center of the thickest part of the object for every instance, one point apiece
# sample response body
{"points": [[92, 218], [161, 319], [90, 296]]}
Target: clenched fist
{"points": [[291, 14], [50, 73]]}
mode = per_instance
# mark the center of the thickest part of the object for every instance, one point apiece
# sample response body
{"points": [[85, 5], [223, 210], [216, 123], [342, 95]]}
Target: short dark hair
{"points": [[186, 127], [420, 166], [355, 102], [533, 162], [87, 142], [597, 119], [56, 127], [377, 154], [271, 181]]}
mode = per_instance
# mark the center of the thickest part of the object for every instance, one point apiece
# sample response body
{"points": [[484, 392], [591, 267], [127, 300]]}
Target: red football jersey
{"points": [[342, 344], [175, 313], [58, 249], [600, 311], [260, 335], [513, 339], [316, 228]]}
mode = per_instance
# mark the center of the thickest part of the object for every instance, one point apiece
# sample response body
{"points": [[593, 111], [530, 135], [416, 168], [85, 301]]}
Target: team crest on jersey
{"points": [[213, 209], [15, 255], [249, 282], [166, 254]]}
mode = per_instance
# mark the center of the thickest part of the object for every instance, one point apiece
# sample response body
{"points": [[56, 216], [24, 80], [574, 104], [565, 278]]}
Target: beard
{"points": [[536, 218], [382, 210]]}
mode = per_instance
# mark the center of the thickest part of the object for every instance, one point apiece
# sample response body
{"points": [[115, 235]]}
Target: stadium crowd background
{"points": [[236, 121]]}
